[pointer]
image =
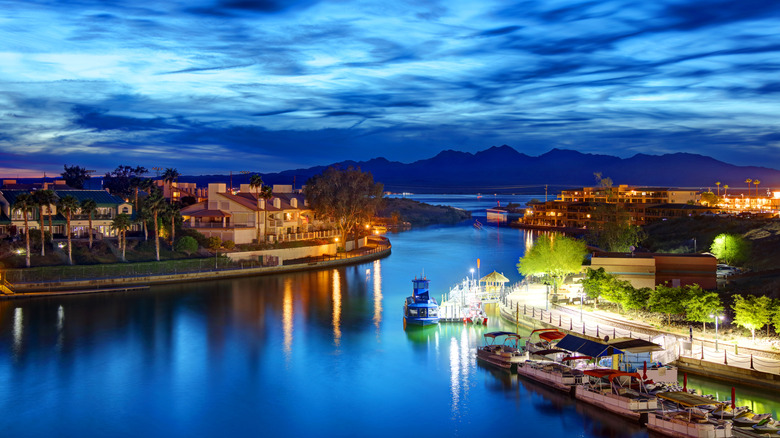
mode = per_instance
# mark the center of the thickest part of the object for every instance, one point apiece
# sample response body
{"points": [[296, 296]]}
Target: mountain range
{"points": [[505, 170]]}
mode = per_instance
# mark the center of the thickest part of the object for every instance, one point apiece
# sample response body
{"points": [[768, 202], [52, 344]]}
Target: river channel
{"points": [[319, 353]]}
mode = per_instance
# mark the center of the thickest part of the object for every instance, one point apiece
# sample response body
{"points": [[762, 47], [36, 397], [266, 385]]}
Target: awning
{"points": [[609, 373], [587, 347], [551, 336], [497, 334], [550, 351], [494, 277], [630, 345], [687, 399]]}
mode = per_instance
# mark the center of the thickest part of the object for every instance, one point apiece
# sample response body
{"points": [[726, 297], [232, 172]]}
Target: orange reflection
{"points": [[336, 307], [287, 317], [377, 295]]}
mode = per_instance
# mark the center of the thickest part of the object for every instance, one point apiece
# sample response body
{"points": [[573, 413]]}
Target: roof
{"points": [[587, 347], [687, 399], [494, 277], [548, 351], [245, 199], [101, 197], [551, 336], [630, 345], [209, 213], [497, 334]]}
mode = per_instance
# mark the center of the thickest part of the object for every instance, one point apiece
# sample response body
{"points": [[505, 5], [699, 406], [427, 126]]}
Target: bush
{"points": [[186, 244], [213, 243], [228, 244], [195, 234]]}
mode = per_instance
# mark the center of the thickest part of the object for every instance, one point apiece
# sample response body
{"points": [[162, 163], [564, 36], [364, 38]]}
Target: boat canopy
{"points": [[609, 373], [686, 399], [551, 336], [567, 358], [630, 345], [497, 334], [587, 347], [549, 351]]}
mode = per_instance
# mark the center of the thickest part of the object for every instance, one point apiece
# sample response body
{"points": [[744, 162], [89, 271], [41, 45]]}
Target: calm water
{"points": [[320, 353]]}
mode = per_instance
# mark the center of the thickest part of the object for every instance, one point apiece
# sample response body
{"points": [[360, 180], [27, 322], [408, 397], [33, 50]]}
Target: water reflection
{"points": [[18, 329], [287, 319], [336, 307], [377, 265]]}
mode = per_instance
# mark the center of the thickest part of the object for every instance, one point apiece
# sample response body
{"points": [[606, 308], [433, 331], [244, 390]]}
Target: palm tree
{"points": [[172, 212], [748, 181], [26, 204], [718, 184], [266, 193], [155, 203], [756, 183], [256, 183], [725, 189], [39, 198], [68, 205], [120, 224], [169, 176], [47, 197], [89, 207]]}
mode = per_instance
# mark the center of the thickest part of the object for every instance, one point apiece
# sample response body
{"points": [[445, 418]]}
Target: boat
{"points": [[551, 373], [547, 338], [420, 308], [770, 425], [618, 392], [727, 412], [501, 349], [684, 418], [749, 419]]}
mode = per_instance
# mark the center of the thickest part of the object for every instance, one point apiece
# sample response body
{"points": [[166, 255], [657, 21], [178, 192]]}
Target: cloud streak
{"points": [[213, 85]]}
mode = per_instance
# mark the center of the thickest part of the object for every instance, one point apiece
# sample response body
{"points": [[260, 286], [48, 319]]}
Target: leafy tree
{"points": [[155, 203], [730, 248], [776, 315], [89, 207], [344, 196], [553, 257], [75, 176], [752, 312], [48, 198], [169, 176], [68, 205], [214, 243], [612, 229], [637, 299], [124, 180], [709, 198], [26, 205], [186, 244], [700, 304], [592, 283], [229, 244], [667, 300], [121, 224]]}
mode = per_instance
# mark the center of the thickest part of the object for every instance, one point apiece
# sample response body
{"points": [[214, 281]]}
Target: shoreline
{"points": [[106, 285]]}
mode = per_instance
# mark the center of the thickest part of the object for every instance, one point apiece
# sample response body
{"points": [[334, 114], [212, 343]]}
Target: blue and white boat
{"points": [[420, 308]]}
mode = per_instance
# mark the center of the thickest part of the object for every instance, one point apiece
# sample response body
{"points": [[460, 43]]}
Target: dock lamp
{"points": [[716, 318]]}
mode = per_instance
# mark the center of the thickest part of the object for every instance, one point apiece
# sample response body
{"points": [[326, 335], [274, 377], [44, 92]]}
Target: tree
{"points": [[155, 203], [725, 189], [718, 184], [121, 224], [344, 196], [752, 312], [75, 176], [266, 193], [48, 197], [256, 183], [756, 183], [748, 181], [709, 198], [776, 315], [637, 299], [553, 257], [169, 176], [592, 283], [730, 248], [667, 300], [26, 205], [68, 205], [186, 244], [43, 198], [700, 304], [124, 180], [89, 207], [172, 213]]}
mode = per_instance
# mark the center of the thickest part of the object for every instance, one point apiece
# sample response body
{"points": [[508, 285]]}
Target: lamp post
{"points": [[716, 317], [582, 298], [472, 277]]}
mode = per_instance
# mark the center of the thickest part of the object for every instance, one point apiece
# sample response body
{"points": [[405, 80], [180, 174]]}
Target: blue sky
{"points": [[215, 86]]}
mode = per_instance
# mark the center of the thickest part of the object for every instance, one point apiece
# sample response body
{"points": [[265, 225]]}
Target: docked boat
{"points": [[619, 392], [749, 419], [770, 425], [546, 339], [553, 374], [684, 418], [420, 308], [501, 349]]}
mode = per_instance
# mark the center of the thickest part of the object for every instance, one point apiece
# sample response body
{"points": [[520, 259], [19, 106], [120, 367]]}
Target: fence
{"points": [[55, 274], [725, 356]]}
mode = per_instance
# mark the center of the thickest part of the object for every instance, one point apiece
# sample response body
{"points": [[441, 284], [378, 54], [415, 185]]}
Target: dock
{"points": [[467, 298]]}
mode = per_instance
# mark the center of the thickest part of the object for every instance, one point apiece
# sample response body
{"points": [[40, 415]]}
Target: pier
{"points": [[469, 297]]}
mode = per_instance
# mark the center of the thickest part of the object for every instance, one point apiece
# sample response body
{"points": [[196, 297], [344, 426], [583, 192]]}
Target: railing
{"points": [[214, 225], [305, 236]]}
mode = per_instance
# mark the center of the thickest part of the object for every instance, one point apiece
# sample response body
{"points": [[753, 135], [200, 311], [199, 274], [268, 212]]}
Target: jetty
{"points": [[467, 299]]}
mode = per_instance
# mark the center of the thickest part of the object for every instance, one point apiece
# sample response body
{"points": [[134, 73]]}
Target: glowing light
{"points": [[287, 318], [336, 307]]}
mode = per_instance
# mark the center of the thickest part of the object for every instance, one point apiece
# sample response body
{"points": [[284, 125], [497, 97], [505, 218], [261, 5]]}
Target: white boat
{"points": [[501, 349], [727, 412], [749, 419], [684, 421], [553, 374], [769, 426], [618, 392], [547, 337]]}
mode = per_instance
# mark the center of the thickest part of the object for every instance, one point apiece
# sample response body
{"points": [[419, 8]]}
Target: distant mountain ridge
{"points": [[504, 169]]}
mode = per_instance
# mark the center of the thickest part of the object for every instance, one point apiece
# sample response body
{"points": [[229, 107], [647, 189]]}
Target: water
{"points": [[320, 353]]}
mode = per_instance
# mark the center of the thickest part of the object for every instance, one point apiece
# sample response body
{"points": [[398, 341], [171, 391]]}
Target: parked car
{"points": [[724, 270]]}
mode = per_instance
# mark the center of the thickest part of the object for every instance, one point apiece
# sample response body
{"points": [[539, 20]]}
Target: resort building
{"points": [[108, 207], [176, 191], [240, 216], [652, 269]]}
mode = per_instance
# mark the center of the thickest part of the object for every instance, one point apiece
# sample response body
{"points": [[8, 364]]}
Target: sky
{"points": [[213, 86]]}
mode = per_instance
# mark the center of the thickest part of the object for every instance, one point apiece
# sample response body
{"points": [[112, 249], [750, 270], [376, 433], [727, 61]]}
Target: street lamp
{"points": [[716, 317], [472, 277]]}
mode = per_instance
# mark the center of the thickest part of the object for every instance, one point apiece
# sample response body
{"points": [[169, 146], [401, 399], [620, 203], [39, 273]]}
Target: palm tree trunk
{"points": [[173, 228], [90, 231], [146, 232], [51, 229], [156, 237], [27, 238], [124, 245], [43, 230], [70, 248]]}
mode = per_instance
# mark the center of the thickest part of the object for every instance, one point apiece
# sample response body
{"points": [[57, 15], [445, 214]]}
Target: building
{"points": [[108, 207], [176, 191], [587, 207], [652, 269], [240, 216]]}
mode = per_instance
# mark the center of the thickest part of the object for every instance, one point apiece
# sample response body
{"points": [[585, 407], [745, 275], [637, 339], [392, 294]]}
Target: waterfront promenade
{"points": [[205, 270], [525, 304]]}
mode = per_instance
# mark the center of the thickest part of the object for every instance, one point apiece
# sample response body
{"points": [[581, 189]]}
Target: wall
{"points": [[639, 271], [294, 253]]}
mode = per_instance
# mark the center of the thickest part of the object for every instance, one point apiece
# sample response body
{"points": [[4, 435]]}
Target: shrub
{"points": [[195, 234], [228, 244], [186, 244], [213, 243]]}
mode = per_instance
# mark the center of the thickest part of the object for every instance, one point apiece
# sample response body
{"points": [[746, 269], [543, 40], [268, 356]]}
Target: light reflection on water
{"points": [[320, 353]]}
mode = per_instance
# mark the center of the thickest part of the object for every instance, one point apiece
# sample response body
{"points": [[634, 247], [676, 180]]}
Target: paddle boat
{"points": [[502, 350], [420, 308]]}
